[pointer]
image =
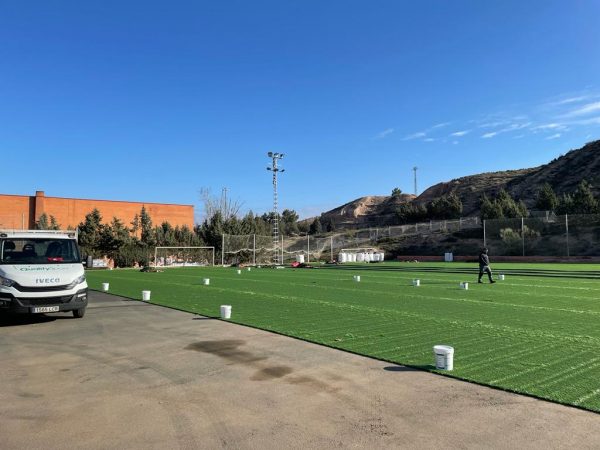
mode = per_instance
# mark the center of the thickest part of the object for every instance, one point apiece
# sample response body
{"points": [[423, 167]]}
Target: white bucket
{"points": [[225, 311], [105, 287], [146, 296], [206, 281], [416, 282], [239, 272], [300, 259], [357, 278], [464, 285], [501, 277], [444, 357], [249, 269]]}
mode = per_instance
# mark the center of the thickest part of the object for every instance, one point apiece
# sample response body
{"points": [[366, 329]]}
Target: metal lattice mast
{"points": [[275, 157]]}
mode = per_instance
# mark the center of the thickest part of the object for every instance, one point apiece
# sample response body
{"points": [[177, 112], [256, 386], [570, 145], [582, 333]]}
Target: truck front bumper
{"points": [[25, 305]]}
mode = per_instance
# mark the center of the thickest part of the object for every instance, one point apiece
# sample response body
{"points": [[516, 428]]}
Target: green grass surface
{"points": [[537, 332]]}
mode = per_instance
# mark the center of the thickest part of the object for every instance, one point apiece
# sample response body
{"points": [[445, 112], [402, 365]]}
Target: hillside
{"points": [[366, 211], [563, 174]]}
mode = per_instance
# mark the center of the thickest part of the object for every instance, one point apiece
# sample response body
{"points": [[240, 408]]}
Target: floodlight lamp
{"points": [[270, 154], [268, 168], [282, 170]]}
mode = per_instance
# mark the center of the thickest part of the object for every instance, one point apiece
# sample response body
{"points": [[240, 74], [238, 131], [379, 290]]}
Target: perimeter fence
{"points": [[546, 235]]}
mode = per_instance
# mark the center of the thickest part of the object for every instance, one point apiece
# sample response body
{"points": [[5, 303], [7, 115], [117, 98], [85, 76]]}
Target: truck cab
{"points": [[41, 272]]}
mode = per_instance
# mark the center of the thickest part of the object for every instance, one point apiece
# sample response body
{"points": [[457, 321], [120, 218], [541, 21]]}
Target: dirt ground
{"points": [[137, 376]]}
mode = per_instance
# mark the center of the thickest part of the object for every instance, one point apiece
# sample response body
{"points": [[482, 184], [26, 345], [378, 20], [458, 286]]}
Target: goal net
{"points": [[249, 249], [184, 256]]}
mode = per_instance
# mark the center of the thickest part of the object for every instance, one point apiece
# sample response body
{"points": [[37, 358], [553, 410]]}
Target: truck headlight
{"points": [[6, 282], [76, 281]]}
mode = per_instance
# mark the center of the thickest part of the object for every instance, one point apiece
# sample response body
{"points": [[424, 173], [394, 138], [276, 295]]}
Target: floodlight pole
{"points": [[275, 157], [415, 171]]}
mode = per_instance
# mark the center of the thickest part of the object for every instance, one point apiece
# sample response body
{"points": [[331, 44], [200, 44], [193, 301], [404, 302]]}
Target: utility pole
{"points": [[224, 203], [275, 157], [415, 171]]}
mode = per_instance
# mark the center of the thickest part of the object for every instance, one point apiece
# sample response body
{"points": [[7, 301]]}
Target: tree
{"points": [[396, 192], [490, 209], [112, 238], [89, 232], [54, 223], [330, 225], [502, 206], [222, 204], [42, 223], [565, 204], [315, 227], [583, 199], [135, 224], [290, 218], [546, 198], [147, 236], [445, 207]]}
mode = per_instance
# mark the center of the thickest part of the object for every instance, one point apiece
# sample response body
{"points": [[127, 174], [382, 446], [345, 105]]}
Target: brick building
{"points": [[22, 211]]}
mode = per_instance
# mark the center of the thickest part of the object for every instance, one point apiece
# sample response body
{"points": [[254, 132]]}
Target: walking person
{"points": [[484, 266]]}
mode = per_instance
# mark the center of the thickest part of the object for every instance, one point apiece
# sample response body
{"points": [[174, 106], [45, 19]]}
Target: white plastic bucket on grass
{"points": [[239, 272], [417, 283], [146, 296], [356, 278], [249, 269], [300, 259], [464, 285], [225, 311], [206, 281], [105, 287], [501, 277], [444, 357]]}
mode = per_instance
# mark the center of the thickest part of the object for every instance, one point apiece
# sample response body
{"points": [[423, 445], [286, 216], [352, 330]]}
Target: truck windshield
{"points": [[38, 251]]}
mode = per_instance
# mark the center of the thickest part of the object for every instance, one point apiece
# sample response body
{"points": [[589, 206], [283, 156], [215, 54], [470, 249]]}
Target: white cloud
{"points": [[566, 101], [549, 126], [428, 140], [584, 110], [554, 136], [460, 133], [489, 135], [455, 142], [440, 125], [514, 127], [418, 135], [384, 133]]}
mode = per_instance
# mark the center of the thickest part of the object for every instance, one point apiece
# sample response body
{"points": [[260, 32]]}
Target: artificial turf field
{"points": [[537, 332]]}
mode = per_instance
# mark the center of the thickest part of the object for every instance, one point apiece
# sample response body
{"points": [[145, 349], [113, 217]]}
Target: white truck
{"points": [[41, 272]]}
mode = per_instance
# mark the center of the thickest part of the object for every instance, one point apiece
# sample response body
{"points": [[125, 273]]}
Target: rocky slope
{"points": [[563, 174]]}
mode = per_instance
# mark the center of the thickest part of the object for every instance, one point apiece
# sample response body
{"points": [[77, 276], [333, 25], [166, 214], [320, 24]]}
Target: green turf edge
{"points": [[417, 368]]}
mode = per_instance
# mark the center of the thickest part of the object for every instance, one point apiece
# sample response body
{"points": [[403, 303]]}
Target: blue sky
{"points": [[152, 101]]}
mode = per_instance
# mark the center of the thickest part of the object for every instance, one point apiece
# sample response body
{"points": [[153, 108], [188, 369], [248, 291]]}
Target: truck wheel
{"points": [[79, 313]]}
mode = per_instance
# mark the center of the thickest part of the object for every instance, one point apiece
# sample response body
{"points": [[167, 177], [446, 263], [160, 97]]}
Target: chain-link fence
{"points": [[255, 249], [544, 235]]}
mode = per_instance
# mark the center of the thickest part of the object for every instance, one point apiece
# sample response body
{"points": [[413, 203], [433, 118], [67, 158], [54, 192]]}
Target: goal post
{"points": [[184, 256]]}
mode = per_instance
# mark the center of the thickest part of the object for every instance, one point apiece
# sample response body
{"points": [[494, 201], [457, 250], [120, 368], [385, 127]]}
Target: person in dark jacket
{"points": [[484, 265]]}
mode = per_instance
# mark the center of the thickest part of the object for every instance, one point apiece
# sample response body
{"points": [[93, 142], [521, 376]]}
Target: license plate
{"points": [[45, 309]]}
